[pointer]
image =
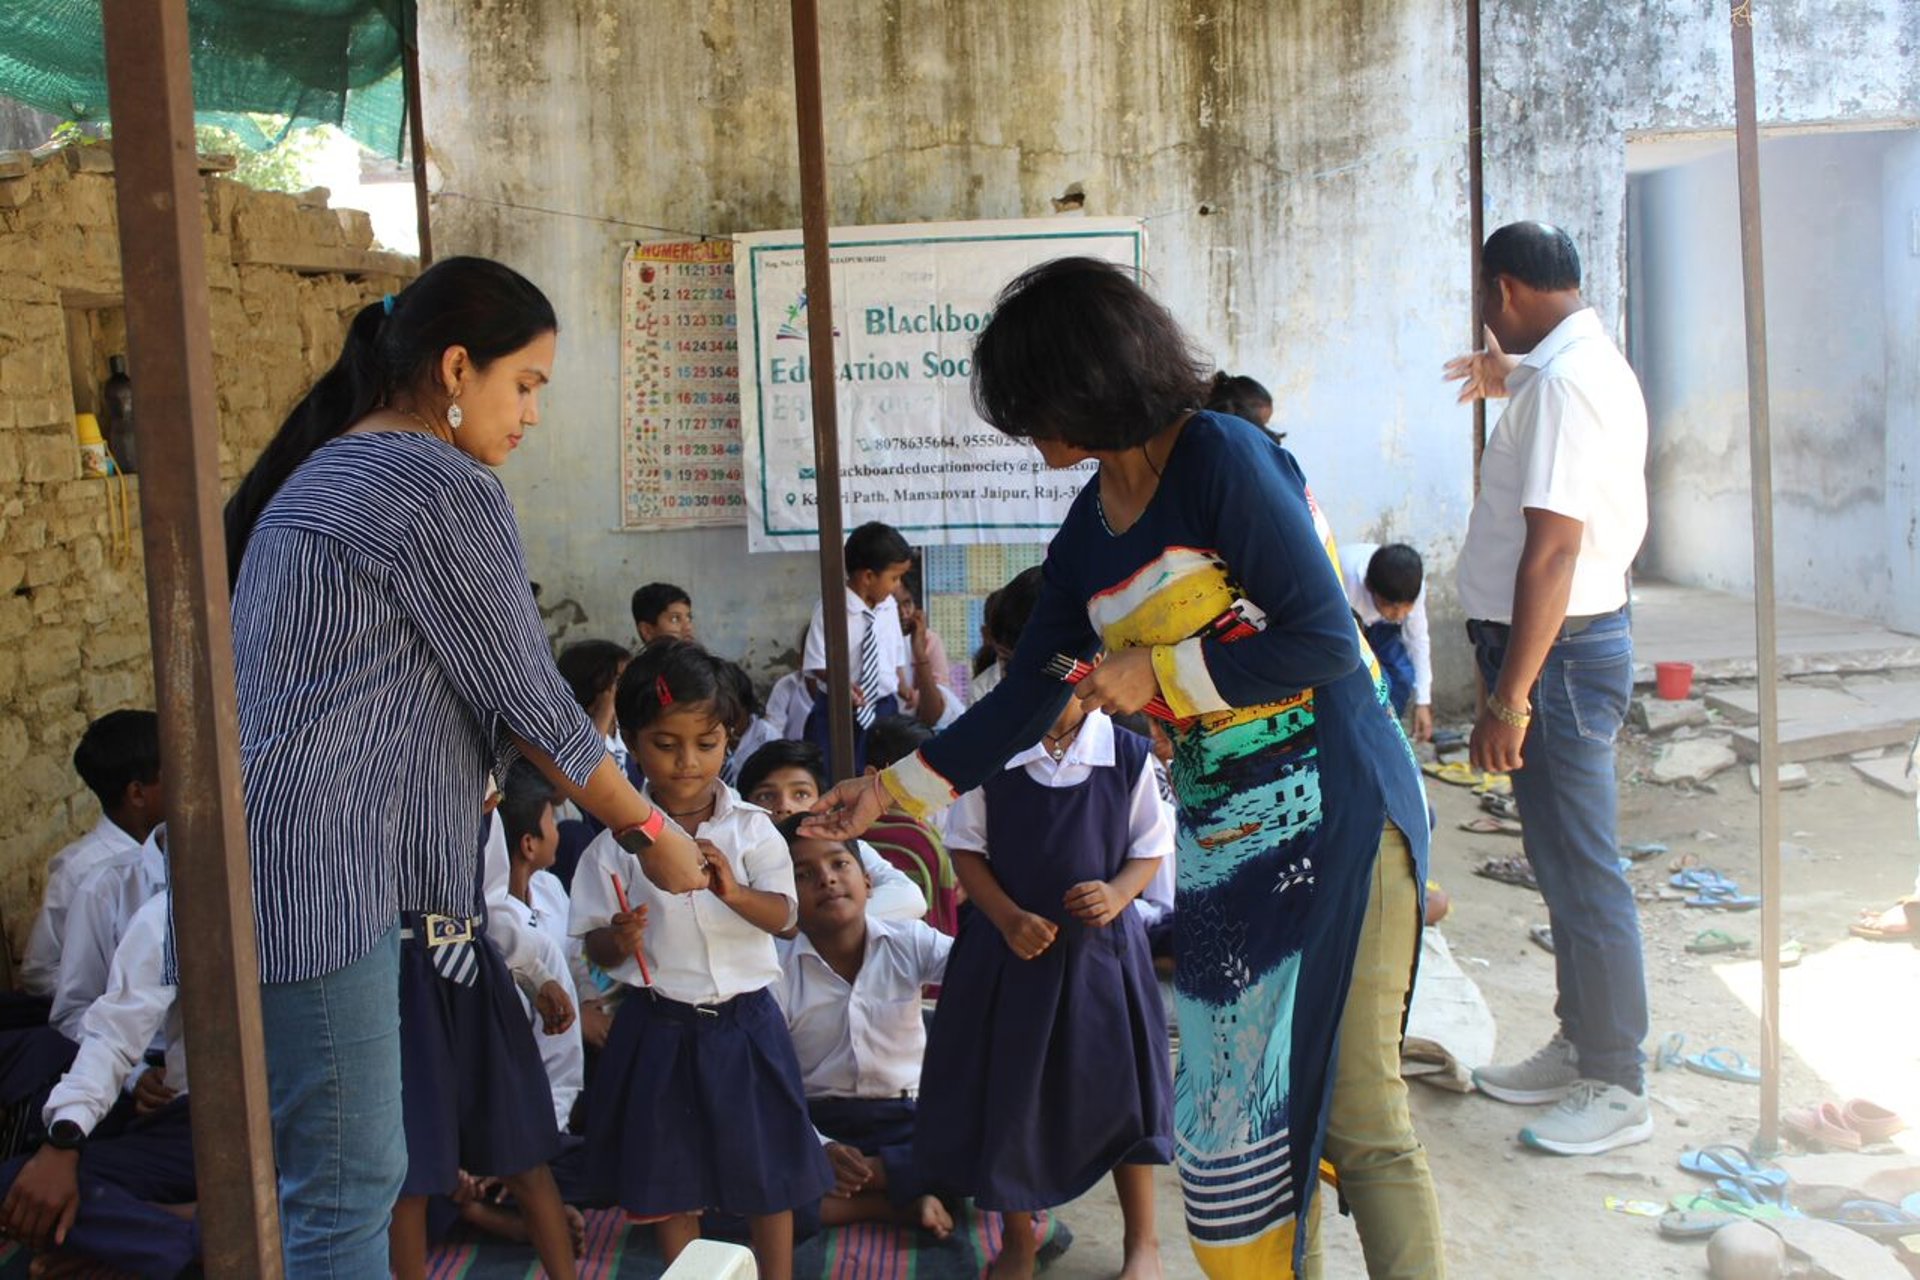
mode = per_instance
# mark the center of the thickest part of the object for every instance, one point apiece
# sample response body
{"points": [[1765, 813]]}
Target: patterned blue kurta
{"points": [[1286, 768]]}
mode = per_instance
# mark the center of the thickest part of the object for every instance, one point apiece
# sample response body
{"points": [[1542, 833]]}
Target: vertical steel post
{"points": [[170, 349], [814, 219], [1760, 448]]}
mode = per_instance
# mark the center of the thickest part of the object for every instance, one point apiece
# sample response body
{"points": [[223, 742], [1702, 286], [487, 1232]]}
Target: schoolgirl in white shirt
{"points": [[696, 1101]]}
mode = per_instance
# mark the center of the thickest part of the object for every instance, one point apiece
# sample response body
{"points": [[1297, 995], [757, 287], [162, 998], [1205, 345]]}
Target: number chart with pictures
{"points": [[679, 387]]}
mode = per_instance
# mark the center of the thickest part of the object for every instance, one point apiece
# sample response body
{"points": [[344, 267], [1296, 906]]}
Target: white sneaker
{"points": [[1592, 1118], [1547, 1076]]}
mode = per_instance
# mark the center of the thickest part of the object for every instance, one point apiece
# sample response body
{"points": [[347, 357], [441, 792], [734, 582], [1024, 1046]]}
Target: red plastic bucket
{"points": [[1673, 681]]}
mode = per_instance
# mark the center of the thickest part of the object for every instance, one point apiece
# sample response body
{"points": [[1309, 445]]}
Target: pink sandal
{"points": [[1873, 1122], [1823, 1126]]}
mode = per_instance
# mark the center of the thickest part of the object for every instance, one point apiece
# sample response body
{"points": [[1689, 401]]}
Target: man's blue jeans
{"points": [[1569, 805], [333, 1074]]}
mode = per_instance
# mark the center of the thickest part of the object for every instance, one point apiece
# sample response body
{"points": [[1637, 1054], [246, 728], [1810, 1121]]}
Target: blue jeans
{"points": [[333, 1076], [1569, 804]]}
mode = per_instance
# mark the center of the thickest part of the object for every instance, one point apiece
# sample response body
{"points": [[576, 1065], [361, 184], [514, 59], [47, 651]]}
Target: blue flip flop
{"points": [[1669, 1056], [1701, 879], [1756, 1195], [1723, 898], [1729, 1161], [1723, 1064], [1876, 1219]]}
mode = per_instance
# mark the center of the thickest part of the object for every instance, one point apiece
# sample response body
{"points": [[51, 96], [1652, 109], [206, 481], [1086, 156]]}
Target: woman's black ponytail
{"points": [[392, 345]]}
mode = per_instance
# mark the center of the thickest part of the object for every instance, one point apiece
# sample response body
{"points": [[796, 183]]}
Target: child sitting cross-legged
{"points": [[850, 987]]}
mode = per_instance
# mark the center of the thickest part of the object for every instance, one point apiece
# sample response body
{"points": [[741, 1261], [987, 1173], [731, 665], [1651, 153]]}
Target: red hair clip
{"points": [[661, 692]]}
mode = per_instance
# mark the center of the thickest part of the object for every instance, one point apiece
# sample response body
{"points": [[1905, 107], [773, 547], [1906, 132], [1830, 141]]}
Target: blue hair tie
{"points": [[387, 302]]}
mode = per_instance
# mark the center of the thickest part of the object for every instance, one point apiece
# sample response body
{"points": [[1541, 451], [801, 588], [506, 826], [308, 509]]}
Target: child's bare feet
{"points": [[577, 1228], [1018, 1250], [933, 1217], [1142, 1262]]}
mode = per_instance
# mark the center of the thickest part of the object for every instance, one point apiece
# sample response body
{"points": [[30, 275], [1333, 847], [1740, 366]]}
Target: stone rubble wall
{"points": [[286, 274]]}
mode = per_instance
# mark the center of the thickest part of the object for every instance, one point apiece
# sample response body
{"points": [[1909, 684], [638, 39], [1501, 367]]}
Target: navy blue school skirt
{"points": [[700, 1108], [473, 1091]]}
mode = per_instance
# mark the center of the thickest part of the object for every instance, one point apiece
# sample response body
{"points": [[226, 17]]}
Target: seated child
{"points": [[753, 728], [877, 558], [119, 759], [1384, 586], [97, 1194], [785, 778], [662, 609], [696, 1102], [850, 987], [1048, 1065], [474, 1092]]}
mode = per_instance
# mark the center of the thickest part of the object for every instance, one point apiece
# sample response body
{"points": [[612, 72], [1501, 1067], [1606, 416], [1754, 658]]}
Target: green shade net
{"points": [[313, 61]]}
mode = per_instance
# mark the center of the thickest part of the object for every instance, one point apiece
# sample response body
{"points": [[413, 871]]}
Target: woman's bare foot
{"points": [[1018, 1249], [1142, 1261], [933, 1217]]}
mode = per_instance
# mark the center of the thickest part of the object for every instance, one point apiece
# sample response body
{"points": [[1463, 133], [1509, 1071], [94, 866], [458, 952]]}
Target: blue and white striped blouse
{"points": [[385, 644]]}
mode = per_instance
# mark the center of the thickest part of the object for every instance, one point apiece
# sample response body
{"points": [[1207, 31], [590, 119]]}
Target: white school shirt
{"points": [[1149, 817], [982, 684], [789, 704], [97, 919], [865, 1038], [861, 615], [564, 1055], [551, 909], [137, 1005], [518, 941], [617, 748], [698, 950], [66, 870], [1573, 440], [1353, 567]]}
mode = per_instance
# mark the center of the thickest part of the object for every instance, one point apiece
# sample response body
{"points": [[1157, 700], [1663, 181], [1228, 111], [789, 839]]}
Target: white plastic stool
{"points": [[713, 1260]]}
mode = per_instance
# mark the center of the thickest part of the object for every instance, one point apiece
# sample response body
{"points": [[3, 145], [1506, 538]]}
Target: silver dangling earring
{"points": [[454, 415]]}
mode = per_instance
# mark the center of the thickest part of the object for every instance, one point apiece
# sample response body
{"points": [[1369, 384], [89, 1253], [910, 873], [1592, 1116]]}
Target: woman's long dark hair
{"points": [[476, 303]]}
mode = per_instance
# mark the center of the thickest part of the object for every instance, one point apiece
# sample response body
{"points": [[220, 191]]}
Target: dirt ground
{"points": [[1847, 1022]]}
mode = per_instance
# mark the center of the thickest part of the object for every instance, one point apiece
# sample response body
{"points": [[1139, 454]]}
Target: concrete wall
{"points": [[1821, 212], [73, 609], [1303, 165], [1900, 241]]}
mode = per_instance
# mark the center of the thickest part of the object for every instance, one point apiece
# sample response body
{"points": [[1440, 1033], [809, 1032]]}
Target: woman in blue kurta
{"points": [[1288, 767]]}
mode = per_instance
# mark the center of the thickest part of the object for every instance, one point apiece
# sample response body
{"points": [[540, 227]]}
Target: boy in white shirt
{"points": [[877, 560], [1386, 587], [98, 917], [850, 988], [99, 1195], [118, 757]]}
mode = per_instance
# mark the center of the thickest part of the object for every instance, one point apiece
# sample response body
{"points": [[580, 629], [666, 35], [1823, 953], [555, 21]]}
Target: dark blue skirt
{"points": [[473, 1091], [700, 1109]]}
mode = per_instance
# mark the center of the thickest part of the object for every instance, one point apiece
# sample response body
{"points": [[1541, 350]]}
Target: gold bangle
{"points": [[1507, 715]]}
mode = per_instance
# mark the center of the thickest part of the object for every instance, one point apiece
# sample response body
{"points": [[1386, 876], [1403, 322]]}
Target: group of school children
{"points": [[751, 1059]]}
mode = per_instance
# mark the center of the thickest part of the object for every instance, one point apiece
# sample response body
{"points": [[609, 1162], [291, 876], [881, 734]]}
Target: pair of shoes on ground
{"points": [[1587, 1117]]}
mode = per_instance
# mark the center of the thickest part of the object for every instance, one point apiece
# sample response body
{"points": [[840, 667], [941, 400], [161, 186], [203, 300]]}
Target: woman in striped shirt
{"points": [[388, 655]]}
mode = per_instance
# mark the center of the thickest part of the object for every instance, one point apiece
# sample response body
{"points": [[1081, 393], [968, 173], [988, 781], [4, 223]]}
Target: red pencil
{"points": [[639, 955]]}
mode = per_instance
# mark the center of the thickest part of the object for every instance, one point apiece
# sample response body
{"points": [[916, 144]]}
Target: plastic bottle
{"points": [[117, 399], [93, 449]]}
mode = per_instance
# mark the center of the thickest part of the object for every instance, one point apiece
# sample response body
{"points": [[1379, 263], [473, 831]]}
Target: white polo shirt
{"points": [[1573, 440], [865, 1038]]}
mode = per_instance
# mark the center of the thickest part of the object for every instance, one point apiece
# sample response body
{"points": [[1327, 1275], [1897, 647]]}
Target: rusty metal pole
{"points": [[814, 218], [417, 133], [1476, 216], [170, 348], [1760, 449]]}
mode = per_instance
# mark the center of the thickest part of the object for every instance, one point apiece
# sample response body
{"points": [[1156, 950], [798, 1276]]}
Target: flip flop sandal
{"points": [[1494, 784], [1822, 1126], [1727, 899], [1668, 1056], [1700, 879], [1875, 1219], [1541, 935], [1756, 1195], [1514, 871], [1716, 942], [1726, 1160], [1500, 806], [1791, 953], [1457, 773], [1723, 1064], [1912, 1204], [1873, 1122], [1708, 1203], [1644, 850], [1488, 825], [1696, 1224]]}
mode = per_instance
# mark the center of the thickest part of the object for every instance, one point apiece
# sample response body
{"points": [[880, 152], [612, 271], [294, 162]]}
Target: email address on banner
{"points": [[982, 466]]}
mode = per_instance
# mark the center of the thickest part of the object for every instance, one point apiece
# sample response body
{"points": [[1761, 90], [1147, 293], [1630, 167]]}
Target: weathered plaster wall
{"points": [[1822, 215], [1900, 224], [1325, 139], [73, 610]]}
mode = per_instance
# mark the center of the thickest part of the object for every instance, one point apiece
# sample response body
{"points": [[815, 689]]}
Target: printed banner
{"points": [[908, 302], [679, 387]]}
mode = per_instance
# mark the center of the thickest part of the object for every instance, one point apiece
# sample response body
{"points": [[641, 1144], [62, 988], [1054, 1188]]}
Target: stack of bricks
{"points": [[286, 274]]}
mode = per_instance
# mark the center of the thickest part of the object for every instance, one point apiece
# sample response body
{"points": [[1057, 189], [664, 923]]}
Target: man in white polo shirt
{"points": [[1543, 579]]}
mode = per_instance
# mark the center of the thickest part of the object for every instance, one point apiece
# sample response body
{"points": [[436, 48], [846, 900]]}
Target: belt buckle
{"points": [[447, 931], [707, 1010]]}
